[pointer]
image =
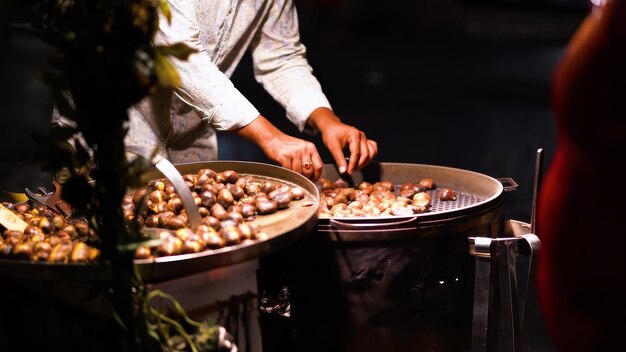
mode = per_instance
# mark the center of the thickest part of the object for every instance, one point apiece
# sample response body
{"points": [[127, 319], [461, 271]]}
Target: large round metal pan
{"points": [[479, 202], [283, 228]]}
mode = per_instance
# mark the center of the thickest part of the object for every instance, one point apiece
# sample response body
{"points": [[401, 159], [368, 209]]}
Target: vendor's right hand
{"points": [[293, 153], [296, 154]]}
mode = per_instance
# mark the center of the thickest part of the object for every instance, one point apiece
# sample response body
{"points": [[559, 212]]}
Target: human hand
{"points": [[296, 154], [293, 153], [336, 136]]}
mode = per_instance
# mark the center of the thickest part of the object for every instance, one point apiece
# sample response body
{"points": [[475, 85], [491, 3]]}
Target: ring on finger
{"points": [[307, 165]]}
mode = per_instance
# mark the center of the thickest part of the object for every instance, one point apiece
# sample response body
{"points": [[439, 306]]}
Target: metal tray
{"points": [[480, 201], [283, 228]]}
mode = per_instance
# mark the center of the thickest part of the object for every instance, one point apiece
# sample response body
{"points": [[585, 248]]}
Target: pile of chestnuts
{"points": [[382, 198], [226, 202], [49, 237]]}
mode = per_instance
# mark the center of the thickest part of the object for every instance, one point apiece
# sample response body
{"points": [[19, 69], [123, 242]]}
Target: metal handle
{"points": [[482, 284], [533, 246], [536, 189], [183, 191], [342, 225], [509, 312], [172, 174], [508, 183]]}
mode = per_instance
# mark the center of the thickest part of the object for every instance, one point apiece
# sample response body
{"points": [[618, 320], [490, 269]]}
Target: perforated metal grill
{"points": [[463, 200]]}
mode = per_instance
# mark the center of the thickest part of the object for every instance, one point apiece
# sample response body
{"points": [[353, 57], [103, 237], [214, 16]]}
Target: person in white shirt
{"points": [[182, 123]]}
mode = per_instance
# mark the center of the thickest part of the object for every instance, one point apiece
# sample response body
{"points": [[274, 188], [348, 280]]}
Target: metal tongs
{"points": [[52, 200], [514, 289]]}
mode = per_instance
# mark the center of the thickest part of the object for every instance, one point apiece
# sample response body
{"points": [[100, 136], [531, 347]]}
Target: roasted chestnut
{"points": [[208, 172], [218, 211], [228, 176], [236, 191], [208, 199], [341, 183], [230, 235], [427, 183], [248, 210], [447, 194], [225, 197], [267, 187], [143, 252], [421, 199], [297, 193], [265, 206], [282, 199]]}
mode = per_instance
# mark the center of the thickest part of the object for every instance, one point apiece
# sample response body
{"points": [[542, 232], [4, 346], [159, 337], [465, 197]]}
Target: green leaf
{"points": [[154, 334], [180, 51], [165, 71], [118, 319]]}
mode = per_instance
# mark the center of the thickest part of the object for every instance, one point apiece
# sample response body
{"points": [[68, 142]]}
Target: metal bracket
{"points": [[514, 288]]}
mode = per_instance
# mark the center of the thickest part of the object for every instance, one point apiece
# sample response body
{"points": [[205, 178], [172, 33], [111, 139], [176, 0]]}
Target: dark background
{"points": [[458, 83]]}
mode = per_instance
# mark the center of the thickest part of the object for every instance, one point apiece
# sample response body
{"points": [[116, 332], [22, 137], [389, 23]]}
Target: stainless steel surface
{"points": [[479, 203], [38, 198], [509, 315], [171, 173], [536, 188], [509, 328], [283, 228], [482, 274], [474, 189], [526, 291]]}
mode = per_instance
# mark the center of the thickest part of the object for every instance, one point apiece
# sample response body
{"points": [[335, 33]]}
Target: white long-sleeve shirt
{"points": [[183, 123]]}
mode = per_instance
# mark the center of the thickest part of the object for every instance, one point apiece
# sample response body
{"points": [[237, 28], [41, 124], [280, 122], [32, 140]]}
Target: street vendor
{"points": [[182, 123]]}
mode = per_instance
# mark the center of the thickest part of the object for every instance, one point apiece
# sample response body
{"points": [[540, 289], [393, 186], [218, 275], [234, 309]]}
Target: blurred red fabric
{"points": [[581, 275]]}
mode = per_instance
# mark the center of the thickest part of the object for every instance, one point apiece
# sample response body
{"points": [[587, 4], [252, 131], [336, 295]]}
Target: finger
{"points": [[284, 162], [373, 148], [340, 158], [296, 164], [318, 166], [355, 148], [365, 153], [309, 153], [307, 167]]}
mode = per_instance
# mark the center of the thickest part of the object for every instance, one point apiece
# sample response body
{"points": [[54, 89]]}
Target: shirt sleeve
{"points": [[203, 85], [280, 65]]}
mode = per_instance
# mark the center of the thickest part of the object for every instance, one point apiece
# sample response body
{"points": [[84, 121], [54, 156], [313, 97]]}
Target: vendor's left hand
{"points": [[338, 136]]}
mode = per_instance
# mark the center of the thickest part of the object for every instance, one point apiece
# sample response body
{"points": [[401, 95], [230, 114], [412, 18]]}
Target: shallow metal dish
{"points": [[283, 228], [480, 202]]}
